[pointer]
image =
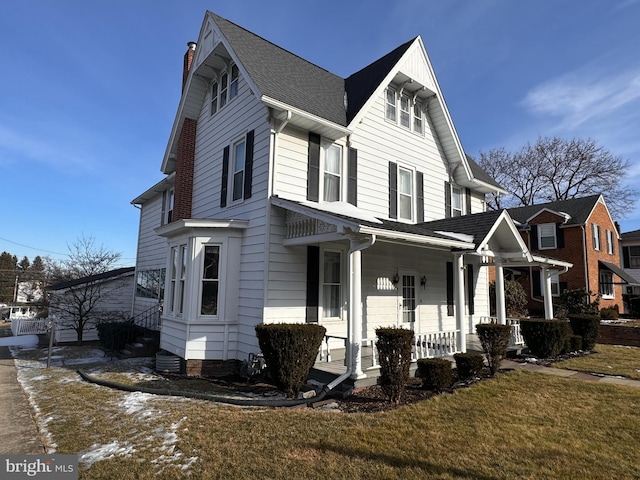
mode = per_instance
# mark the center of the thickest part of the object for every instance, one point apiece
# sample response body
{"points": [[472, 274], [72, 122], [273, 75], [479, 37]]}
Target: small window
{"points": [[610, 248], [547, 236], [223, 89], [233, 87], [210, 280], [606, 283], [150, 283], [555, 283], [239, 152], [390, 104], [331, 285], [183, 276], [167, 207], [456, 201], [405, 193], [173, 279], [214, 98], [417, 118], [405, 111], [595, 236]]}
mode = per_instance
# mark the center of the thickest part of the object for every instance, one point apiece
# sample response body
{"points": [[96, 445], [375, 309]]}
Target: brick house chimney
{"points": [[183, 189], [188, 59]]}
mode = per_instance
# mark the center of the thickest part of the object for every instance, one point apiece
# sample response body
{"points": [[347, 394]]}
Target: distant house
{"points": [[105, 296], [295, 195], [630, 246], [579, 231]]}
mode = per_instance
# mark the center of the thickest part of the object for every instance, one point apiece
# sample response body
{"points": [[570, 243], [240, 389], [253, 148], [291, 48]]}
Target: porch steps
{"points": [[143, 346]]}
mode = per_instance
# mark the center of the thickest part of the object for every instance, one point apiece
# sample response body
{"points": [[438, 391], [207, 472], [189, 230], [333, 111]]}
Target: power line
{"points": [[49, 251]]}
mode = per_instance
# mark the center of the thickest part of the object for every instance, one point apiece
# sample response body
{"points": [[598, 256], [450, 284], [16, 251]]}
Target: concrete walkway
{"points": [[18, 432], [559, 372]]}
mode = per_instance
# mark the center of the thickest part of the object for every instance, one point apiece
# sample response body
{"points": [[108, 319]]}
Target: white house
{"points": [[295, 195]]}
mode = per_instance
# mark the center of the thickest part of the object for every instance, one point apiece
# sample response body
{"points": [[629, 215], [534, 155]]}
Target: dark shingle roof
{"points": [[361, 85], [92, 278], [476, 225], [286, 77], [480, 174], [630, 235], [578, 208]]}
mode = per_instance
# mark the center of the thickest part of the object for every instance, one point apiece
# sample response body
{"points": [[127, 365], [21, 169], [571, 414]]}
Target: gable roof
{"points": [[479, 174], [578, 209], [100, 277], [361, 85], [284, 76], [478, 225], [632, 235]]}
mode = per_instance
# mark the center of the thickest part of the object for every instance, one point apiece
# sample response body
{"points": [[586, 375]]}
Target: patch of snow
{"points": [[458, 236], [19, 341], [136, 402], [102, 452]]}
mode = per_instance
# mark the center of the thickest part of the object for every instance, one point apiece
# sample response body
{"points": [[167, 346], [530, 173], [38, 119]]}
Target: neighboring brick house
{"points": [[630, 252], [582, 232]]}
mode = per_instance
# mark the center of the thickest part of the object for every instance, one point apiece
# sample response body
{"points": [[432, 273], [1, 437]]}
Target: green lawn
{"points": [[519, 425], [607, 359]]}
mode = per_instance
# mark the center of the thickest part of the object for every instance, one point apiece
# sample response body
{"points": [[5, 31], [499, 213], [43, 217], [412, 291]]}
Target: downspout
{"points": [[355, 313], [586, 263]]}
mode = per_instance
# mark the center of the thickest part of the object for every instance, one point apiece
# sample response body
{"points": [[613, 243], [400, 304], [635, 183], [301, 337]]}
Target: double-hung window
{"points": [[225, 88], [224, 79], [331, 284], [178, 277], [595, 236], [634, 257], [390, 104], [332, 174], [417, 118], [405, 111], [610, 248], [405, 194], [606, 283], [233, 87], [210, 280], [239, 157], [456, 201], [547, 236], [167, 207], [214, 98]]}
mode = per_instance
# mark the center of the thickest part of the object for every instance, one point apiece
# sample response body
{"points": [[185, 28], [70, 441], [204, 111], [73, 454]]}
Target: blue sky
{"points": [[89, 89]]}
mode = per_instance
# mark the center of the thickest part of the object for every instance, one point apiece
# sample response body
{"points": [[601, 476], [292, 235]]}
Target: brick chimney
{"points": [[188, 59], [185, 160]]}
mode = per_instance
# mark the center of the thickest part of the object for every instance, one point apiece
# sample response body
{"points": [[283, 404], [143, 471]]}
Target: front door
{"points": [[407, 300]]}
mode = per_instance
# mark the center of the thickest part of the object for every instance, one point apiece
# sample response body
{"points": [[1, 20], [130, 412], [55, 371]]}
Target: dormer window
{"points": [[411, 114], [224, 89]]}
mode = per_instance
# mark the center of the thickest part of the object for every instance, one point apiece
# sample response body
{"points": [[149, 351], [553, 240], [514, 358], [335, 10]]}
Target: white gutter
{"points": [[415, 238]]}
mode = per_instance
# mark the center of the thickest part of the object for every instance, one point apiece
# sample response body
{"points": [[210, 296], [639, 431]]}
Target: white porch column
{"points": [[501, 308], [548, 298], [459, 300], [355, 311]]}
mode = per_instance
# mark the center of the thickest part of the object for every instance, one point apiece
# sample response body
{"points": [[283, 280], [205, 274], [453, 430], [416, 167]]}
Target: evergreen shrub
{"points": [[609, 314], [587, 326], [545, 338], [289, 351], [113, 336], [468, 365], [394, 351], [494, 338], [436, 373]]}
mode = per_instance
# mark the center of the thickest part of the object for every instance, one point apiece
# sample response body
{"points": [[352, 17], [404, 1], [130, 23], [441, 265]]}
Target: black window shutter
{"points": [[352, 183], [564, 286], [535, 281], [467, 195], [393, 190], [534, 237], [559, 236], [248, 165], [470, 285], [447, 200], [613, 242], [420, 196], [626, 258], [225, 177], [313, 283], [313, 168], [450, 312]]}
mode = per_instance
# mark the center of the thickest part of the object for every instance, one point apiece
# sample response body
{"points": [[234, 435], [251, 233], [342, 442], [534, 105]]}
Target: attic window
{"points": [[224, 89], [233, 88], [390, 109], [411, 115]]}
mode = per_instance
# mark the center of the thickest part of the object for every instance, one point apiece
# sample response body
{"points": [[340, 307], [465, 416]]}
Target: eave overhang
{"points": [[197, 225]]}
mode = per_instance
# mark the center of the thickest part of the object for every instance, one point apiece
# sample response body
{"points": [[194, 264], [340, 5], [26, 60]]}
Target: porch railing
{"points": [[425, 345], [29, 326], [516, 334]]}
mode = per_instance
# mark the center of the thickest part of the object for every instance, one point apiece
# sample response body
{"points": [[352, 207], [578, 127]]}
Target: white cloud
{"points": [[585, 96]]}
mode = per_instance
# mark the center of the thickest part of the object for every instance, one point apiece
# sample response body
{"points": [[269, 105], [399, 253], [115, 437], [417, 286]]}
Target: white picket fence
{"points": [[29, 326]]}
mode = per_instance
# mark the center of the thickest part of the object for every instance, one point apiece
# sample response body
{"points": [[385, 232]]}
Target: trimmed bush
{"points": [[113, 336], [494, 339], [545, 338], [587, 326], [394, 352], [575, 343], [609, 314], [468, 365], [289, 350], [436, 373]]}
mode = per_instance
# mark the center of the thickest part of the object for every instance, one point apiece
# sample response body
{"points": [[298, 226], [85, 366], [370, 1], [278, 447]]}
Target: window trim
{"points": [[415, 119], [341, 177], [414, 105], [168, 205], [405, 115], [201, 267], [634, 260], [224, 88], [233, 172], [412, 183], [609, 240], [459, 195], [552, 227], [605, 278], [595, 236], [389, 106]]}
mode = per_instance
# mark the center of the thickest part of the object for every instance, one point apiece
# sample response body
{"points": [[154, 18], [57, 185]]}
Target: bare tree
{"points": [[558, 169], [84, 291]]}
